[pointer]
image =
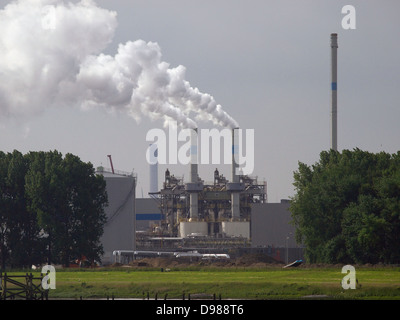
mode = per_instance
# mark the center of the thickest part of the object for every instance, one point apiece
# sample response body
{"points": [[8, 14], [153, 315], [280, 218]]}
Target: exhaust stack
{"points": [[193, 157], [334, 47], [154, 169], [235, 186], [195, 185], [235, 152]]}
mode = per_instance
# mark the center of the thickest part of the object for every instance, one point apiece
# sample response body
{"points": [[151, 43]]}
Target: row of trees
{"points": [[346, 208], [51, 209]]}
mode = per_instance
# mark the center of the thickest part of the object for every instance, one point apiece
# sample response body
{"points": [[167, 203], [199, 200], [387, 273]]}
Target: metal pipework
{"points": [[334, 47]]}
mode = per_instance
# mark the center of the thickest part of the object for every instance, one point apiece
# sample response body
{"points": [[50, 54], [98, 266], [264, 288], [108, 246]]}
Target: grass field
{"points": [[232, 283]]}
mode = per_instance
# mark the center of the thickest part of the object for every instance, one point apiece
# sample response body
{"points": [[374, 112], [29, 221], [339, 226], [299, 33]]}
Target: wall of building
{"points": [[147, 214], [271, 229], [118, 231], [270, 225]]}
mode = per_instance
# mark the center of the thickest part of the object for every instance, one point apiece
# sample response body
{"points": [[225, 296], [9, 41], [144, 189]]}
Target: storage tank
{"points": [[120, 227]]}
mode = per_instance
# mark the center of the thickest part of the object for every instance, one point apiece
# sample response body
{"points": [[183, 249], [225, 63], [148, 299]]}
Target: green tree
{"points": [[18, 226], [346, 207], [364, 230], [44, 195], [69, 201], [372, 224], [4, 211], [23, 226], [85, 218]]}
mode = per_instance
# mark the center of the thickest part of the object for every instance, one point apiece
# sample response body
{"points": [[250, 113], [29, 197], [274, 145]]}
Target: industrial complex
{"points": [[226, 216], [162, 223], [223, 217]]}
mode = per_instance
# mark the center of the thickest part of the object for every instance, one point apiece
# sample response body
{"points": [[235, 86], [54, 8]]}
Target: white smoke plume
{"points": [[51, 54]]}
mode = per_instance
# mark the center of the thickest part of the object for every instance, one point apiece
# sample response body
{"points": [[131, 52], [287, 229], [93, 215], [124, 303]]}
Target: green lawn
{"points": [[270, 283]]}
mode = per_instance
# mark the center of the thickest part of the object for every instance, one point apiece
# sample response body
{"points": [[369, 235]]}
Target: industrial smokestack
{"points": [[192, 187], [153, 168], [334, 47], [235, 205], [235, 153], [193, 156]]}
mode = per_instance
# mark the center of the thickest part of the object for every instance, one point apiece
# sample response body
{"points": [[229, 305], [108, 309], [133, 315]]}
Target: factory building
{"points": [[221, 208], [163, 222], [222, 215], [214, 215], [271, 229]]}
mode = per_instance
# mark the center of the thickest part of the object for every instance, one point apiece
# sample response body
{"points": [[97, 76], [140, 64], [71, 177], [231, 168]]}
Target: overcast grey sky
{"points": [[266, 62]]}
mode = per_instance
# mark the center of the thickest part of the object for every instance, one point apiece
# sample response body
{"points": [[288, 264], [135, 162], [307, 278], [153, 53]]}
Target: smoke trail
{"points": [[51, 54]]}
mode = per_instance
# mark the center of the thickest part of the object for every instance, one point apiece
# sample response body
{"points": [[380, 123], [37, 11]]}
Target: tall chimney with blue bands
{"points": [[334, 47]]}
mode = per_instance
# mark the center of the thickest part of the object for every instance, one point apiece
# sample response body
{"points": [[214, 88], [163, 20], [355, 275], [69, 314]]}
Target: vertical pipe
{"points": [[194, 197], [154, 168], [334, 47], [194, 206], [235, 153], [235, 205], [134, 213], [193, 157]]}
